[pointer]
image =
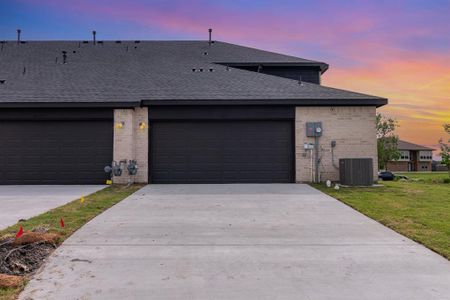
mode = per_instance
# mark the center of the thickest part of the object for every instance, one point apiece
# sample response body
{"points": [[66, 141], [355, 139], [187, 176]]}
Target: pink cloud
{"points": [[364, 40]]}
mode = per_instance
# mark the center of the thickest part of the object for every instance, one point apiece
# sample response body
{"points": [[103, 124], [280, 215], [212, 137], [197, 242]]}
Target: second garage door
{"points": [[221, 152], [55, 152]]}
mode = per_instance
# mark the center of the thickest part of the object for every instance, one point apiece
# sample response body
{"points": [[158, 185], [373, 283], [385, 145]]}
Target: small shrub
{"points": [[446, 180]]}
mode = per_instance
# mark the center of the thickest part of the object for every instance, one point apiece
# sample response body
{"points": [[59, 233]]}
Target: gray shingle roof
{"points": [[150, 70], [404, 145]]}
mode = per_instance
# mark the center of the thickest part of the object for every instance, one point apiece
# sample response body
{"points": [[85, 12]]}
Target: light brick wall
{"points": [[424, 166], [353, 129], [131, 142]]}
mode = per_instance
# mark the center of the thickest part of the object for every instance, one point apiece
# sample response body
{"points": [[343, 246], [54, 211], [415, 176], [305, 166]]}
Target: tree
{"points": [[387, 140], [445, 148]]}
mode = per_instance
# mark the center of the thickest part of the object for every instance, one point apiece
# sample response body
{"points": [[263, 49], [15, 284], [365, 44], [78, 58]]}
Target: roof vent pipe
{"points": [[210, 34], [300, 80], [93, 36], [64, 57], [18, 36]]}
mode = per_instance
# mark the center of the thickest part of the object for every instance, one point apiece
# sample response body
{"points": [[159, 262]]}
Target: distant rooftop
{"points": [[403, 145]]}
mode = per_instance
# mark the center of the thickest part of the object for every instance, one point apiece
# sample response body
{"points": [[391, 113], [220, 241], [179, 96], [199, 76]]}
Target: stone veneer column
{"points": [[131, 142]]}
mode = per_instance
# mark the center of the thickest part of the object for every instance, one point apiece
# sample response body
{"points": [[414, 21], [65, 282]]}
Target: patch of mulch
{"points": [[24, 255]]}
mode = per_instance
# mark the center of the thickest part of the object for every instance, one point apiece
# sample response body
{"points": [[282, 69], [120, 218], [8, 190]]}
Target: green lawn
{"points": [[75, 215], [418, 208]]}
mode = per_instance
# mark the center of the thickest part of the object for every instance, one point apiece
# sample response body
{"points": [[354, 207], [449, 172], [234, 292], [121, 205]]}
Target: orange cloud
{"points": [[418, 89]]}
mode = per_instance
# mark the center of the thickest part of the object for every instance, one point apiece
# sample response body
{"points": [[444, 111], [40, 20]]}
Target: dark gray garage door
{"points": [[55, 152], [221, 152]]}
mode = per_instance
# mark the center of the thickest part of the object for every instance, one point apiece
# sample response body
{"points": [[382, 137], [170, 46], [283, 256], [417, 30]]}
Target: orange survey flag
{"points": [[61, 222]]}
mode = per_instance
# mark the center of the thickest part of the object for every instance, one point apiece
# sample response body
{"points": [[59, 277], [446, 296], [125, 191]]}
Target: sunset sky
{"points": [[395, 49]]}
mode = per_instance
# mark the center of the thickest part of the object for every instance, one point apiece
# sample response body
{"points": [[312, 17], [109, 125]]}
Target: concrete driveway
{"points": [[273, 241], [26, 201]]}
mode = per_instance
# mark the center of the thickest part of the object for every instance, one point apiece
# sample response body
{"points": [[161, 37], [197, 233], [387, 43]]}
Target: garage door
{"points": [[55, 152], [221, 152]]}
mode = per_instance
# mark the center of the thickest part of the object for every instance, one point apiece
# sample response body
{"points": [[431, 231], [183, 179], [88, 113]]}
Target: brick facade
{"points": [[397, 166], [353, 129], [412, 165], [423, 166], [131, 142]]}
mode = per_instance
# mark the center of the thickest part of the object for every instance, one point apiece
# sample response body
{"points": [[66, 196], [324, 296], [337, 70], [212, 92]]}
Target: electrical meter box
{"points": [[313, 129]]}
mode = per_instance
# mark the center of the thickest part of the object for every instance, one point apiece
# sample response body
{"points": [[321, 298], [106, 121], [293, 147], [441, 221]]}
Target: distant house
{"points": [[413, 157]]}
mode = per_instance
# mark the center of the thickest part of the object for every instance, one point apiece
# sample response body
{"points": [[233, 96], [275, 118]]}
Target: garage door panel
{"points": [[55, 152], [221, 151]]}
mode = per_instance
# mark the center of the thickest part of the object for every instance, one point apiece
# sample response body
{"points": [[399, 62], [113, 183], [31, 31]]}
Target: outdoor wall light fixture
{"points": [[119, 125], [142, 125]]}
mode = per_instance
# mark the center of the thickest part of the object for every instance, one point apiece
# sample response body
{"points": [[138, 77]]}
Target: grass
{"points": [[10, 293], [75, 215], [418, 208]]}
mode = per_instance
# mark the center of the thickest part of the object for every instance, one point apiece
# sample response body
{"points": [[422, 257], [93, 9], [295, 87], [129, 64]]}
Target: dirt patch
{"points": [[10, 281], [26, 254], [35, 237]]}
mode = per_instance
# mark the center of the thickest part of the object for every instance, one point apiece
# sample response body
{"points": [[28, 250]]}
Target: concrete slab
{"points": [[26, 201], [276, 241]]}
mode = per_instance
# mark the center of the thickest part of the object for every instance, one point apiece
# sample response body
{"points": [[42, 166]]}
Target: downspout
{"points": [[333, 145]]}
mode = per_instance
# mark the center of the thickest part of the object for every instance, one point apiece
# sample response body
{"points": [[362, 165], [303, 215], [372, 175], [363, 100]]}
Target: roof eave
{"points": [[70, 104], [323, 66], [378, 102]]}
